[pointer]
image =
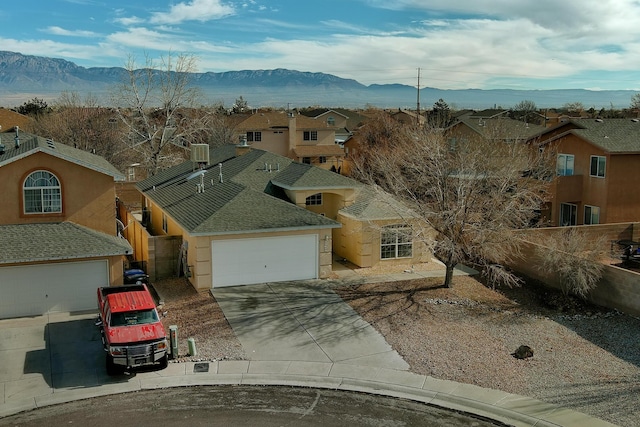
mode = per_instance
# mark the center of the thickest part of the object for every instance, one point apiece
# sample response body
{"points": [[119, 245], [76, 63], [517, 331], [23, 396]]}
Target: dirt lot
{"points": [[585, 358]]}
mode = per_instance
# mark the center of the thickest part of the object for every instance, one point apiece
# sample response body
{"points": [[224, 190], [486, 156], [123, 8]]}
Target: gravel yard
{"points": [[585, 358]]}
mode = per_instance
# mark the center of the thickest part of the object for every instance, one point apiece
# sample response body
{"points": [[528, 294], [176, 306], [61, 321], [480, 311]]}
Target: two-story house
{"points": [[597, 171], [58, 232], [293, 135], [249, 216]]}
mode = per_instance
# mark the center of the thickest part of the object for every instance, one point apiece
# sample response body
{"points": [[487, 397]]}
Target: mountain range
{"points": [[23, 77]]}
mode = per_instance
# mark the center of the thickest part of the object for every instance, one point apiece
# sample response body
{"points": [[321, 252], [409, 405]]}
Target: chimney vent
{"points": [[17, 137]]}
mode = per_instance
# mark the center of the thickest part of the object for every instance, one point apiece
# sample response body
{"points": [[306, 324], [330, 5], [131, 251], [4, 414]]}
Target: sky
{"points": [[451, 44]]}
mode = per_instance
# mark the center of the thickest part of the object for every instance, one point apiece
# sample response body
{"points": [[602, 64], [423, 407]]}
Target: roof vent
{"points": [[635, 120], [599, 120], [200, 153], [17, 137]]}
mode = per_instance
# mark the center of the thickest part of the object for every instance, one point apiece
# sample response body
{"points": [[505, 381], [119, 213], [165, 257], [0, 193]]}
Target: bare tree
{"points": [[471, 196], [635, 102], [157, 106], [575, 259], [84, 124]]}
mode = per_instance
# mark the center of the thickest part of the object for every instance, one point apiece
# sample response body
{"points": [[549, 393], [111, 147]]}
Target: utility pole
{"points": [[418, 99]]}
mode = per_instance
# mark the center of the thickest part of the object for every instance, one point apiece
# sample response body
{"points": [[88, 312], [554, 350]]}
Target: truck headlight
{"points": [[162, 345], [116, 351]]}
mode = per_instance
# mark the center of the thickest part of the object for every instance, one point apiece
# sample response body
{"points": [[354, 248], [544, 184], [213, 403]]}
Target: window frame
{"points": [[314, 200], [397, 239], [48, 194], [165, 223], [310, 135], [591, 215], [254, 136], [573, 215], [565, 169], [597, 165]]}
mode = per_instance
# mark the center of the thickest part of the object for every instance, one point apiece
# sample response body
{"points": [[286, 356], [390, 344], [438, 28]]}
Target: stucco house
{"points": [[57, 226], [293, 135], [249, 216], [597, 171]]}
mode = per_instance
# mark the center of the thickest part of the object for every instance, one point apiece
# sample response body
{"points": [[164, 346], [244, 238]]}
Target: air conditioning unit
{"points": [[200, 153]]}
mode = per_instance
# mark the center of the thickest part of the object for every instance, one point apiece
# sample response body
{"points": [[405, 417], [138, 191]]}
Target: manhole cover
{"points": [[201, 367]]}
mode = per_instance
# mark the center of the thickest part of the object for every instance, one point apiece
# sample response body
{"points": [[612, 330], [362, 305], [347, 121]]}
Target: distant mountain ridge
{"points": [[23, 77]]}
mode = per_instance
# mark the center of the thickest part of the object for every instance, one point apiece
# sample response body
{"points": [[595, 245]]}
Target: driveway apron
{"points": [[303, 321]]}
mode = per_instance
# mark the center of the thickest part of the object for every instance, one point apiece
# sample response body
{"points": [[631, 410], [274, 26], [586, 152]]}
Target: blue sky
{"points": [[457, 44]]}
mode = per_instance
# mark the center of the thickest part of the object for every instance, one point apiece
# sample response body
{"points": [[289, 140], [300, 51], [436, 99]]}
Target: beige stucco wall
{"points": [[359, 243], [88, 197], [618, 288]]}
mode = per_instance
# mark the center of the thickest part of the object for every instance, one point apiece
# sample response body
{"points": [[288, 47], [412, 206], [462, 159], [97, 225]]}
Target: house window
{"points": [[396, 242], [565, 164], [306, 160], [331, 121], [314, 200], [310, 135], [254, 136], [591, 215], [568, 214], [42, 193], [165, 226], [597, 166], [322, 159]]}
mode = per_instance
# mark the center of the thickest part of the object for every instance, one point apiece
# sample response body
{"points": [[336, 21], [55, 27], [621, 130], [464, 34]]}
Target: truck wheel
{"points": [[164, 362], [112, 368]]}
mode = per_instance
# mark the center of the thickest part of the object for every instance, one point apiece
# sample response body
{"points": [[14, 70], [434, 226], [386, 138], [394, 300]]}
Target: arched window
{"points": [[42, 193]]}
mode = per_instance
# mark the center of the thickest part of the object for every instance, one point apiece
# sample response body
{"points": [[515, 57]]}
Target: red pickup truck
{"points": [[132, 333]]}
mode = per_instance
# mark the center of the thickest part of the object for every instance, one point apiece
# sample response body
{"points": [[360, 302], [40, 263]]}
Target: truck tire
{"points": [[112, 368], [164, 362]]}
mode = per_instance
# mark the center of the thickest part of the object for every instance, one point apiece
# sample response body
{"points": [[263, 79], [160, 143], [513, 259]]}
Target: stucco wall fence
{"points": [[618, 288]]}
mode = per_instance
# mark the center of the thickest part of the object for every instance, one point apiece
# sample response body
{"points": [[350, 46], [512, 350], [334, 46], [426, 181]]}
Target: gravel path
{"points": [[585, 358]]}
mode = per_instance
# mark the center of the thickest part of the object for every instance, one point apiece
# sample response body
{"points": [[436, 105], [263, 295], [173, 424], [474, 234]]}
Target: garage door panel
{"points": [[47, 288], [274, 259]]}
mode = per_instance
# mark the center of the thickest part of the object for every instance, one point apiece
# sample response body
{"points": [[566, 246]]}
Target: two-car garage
{"points": [[33, 290], [260, 260]]}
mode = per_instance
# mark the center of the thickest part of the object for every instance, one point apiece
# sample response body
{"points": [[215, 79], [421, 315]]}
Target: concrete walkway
{"points": [[58, 358]]}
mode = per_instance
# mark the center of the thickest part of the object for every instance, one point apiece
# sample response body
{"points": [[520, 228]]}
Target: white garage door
{"points": [[272, 259], [46, 288]]}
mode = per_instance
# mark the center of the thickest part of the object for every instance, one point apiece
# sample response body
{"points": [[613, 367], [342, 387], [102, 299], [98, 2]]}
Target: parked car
{"points": [[135, 275]]}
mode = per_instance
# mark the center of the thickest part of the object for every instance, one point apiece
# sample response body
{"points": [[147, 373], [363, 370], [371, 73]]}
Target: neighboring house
{"points": [[250, 216], [293, 135], [408, 117], [58, 227], [345, 121], [597, 166], [498, 129]]}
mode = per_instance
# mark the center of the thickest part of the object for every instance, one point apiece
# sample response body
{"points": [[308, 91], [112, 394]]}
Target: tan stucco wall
{"points": [[618, 288], [88, 197], [332, 200], [359, 243]]}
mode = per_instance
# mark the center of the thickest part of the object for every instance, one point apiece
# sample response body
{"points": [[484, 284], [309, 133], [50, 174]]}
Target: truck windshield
{"points": [[140, 317]]}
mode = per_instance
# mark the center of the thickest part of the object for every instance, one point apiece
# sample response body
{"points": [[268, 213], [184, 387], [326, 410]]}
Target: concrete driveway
{"points": [[303, 321], [40, 354]]}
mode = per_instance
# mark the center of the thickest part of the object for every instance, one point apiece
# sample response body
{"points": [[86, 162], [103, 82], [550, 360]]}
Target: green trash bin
{"points": [[192, 347]]}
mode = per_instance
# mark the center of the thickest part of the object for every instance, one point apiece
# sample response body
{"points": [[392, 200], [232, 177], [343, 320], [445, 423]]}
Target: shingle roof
{"points": [[245, 200], [279, 120], [30, 144], [371, 205], [56, 241], [612, 135], [501, 128]]}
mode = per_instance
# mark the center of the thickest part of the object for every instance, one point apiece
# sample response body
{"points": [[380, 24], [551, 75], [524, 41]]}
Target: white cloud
{"points": [[195, 10], [58, 31], [127, 21], [143, 38]]}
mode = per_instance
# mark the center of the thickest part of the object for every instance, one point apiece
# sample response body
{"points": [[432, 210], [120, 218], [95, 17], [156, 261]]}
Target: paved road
{"points": [[310, 322], [245, 406]]}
